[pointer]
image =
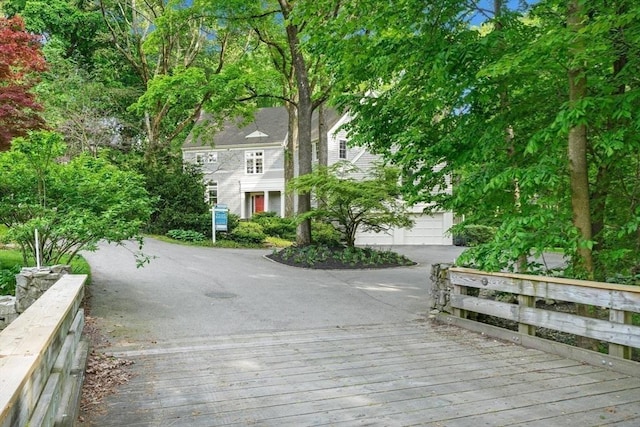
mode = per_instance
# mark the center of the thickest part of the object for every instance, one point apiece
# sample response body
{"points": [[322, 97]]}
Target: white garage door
{"points": [[428, 230]]}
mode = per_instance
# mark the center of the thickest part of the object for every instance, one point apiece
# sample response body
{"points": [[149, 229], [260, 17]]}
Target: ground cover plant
{"points": [[268, 230], [338, 257]]}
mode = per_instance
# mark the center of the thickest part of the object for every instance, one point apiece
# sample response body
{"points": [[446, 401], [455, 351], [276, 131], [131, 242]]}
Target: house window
{"points": [[212, 157], [199, 158], [211, 193], [254, 161], [342, 152]]}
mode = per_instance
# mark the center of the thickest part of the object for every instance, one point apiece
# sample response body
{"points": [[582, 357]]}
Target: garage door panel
{"points": [[427, 230]]}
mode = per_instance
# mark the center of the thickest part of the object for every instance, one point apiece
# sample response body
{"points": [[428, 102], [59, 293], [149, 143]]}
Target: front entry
{"points": [[258, 203]]}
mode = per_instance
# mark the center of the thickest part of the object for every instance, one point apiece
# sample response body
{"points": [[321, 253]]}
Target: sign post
{"points": [[219, 220]]}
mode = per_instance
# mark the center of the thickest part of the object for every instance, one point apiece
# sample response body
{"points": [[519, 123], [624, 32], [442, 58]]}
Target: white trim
{"points": [[357, 156], [256, 157], [256, 134]]}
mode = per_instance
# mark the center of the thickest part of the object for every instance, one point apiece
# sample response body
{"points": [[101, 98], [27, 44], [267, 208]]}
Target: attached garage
{"points": [[427, 230]]}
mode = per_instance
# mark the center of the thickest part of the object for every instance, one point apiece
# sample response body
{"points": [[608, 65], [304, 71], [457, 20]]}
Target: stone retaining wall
{"points": [[31, 283], [43, 358]]}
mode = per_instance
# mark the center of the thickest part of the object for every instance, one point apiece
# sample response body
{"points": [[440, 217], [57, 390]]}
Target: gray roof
{"points": [[269, 126]]}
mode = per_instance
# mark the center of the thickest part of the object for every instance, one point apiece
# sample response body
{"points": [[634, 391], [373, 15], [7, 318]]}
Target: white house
{"points": [[244, 168]]}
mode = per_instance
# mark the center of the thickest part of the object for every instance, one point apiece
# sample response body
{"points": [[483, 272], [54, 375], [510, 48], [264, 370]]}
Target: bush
{"points": [[248, 232], [186, 235], [273, 225], [325, 234], [232, 223], [473, 235], [263, 216], [8, 280], [170, 219]]}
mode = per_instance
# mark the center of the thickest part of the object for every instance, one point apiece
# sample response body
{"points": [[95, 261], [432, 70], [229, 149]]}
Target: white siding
{"points": [[235, 186]]}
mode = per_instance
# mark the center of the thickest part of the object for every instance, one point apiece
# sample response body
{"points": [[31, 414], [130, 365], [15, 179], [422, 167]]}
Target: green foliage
{"points": [[273, 225], [73, 205], [332, 257], [354, 200], [8, 279], [473, 234], [487, 107], [233, 220], [179, 192], [248, 232], [325, 234], [186, 235]]}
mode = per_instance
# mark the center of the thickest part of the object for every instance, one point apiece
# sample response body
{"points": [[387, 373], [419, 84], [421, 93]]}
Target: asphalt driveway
{"points": [[190, 291]]}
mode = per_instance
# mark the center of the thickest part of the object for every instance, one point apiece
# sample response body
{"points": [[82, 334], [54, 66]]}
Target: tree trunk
{"points": [[323, 147], [290, 153], [305, 109], [577, 156], [303, 235], [577, 144]]}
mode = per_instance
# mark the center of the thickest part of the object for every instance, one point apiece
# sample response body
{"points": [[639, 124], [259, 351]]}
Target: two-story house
{"points": [[244, 168]]}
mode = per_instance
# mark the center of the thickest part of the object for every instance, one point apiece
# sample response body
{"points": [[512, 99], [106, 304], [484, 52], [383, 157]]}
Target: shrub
{"points": [[323, 233], [232, 223], [262, 216], [248, 232], [186, 235], [8, 280], [473, 234], [273, 225]]}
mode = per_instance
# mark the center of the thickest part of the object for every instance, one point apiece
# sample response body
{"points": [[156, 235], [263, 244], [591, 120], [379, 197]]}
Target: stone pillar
{"points": [[32, 282], [440, 289]]}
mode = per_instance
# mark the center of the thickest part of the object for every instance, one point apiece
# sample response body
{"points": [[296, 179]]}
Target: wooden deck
{"points": [[382, 375]]}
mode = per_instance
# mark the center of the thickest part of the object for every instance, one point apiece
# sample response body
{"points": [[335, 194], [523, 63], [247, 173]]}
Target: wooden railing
{"points": [[464, 294], [42, 359]]}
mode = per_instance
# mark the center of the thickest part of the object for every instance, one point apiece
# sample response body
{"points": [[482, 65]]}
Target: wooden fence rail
{"points": [[466, 289]]}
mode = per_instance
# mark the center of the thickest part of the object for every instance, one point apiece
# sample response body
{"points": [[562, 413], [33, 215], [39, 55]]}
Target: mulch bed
{"points": [[333, 262]]}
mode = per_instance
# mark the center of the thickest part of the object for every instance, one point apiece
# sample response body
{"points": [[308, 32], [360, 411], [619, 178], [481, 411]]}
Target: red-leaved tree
{"points": [[20, 59]]}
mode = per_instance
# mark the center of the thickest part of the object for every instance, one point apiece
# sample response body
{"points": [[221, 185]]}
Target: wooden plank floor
{"points": [[381, 375]]}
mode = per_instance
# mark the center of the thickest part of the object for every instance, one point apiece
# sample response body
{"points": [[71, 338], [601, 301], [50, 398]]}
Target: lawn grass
{"points": [[11, 262]]}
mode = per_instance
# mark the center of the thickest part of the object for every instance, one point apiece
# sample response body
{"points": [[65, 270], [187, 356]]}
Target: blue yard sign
{"points": [[221, 213], [219, 220]]}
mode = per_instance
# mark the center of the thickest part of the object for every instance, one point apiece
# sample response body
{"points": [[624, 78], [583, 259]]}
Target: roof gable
{"points": [[269, 126]]}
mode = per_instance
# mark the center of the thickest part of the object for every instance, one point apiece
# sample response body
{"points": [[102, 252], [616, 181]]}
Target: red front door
{"points": [[258, 204]]}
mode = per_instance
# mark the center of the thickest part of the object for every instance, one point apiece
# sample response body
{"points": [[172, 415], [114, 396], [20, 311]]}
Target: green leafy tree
{"points": [[187, 58], [533, 113], [180, 193], [353, 200], [86, 88], [73, 205]]}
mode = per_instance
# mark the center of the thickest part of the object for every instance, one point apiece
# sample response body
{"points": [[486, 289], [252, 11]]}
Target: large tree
{"points": [[533, 112], [20, 61], [282, 27], [187, 58], [86, 88]]}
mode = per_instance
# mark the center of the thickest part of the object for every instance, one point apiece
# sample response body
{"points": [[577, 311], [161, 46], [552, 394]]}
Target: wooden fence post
{"points": [[617, 350], [526, 301]]}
